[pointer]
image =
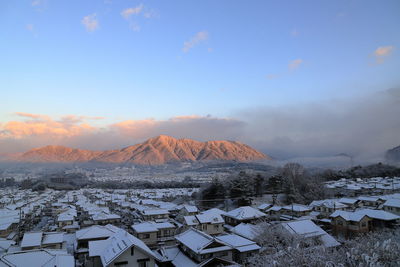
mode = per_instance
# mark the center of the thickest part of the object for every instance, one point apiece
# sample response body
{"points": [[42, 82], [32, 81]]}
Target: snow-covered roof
{"points": [[210, 218], [357, 215], [198, 242], [237, 242], [38, 258], [297, 207], [245, 213], [53, 238], [264, 206], [368, 198], [164, 225], [145, 227], [118, 243], [190, 208], [96, 231], [32, 239], [5, 244], [102, 216], [328, 203], [393, 202], [155, 212], [350, 201], [306, 228], [190, 220], [176, 257], [246, 230], [274, 208]]}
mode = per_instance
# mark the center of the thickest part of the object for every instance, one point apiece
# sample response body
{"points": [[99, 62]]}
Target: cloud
{"points": [[127, 13], [32, 116], [295, 64], [294, 33], [29, 27], [90, 22], [198, 38], [382, 52], [37, 2], [71, 130], [362, 127], [271, 76]]}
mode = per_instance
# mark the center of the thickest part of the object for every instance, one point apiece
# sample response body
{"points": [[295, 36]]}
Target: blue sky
{"points": [[239, 55]]}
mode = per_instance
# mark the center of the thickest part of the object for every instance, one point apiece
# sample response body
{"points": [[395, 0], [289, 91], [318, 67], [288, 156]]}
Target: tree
{"points": [[214, 191], [241, 189], [375, 249]]}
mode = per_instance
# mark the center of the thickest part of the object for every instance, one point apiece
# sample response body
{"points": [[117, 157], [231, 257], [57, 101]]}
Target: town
{"points": [[148, 227]]}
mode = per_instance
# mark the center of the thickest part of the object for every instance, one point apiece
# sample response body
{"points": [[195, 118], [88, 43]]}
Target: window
{"points": [[144, 236], [363, 224], [143, 262], [121, 263], [132, 250]]}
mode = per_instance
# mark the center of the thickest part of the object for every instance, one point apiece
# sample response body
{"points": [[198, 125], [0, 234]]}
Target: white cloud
{"points": [[37, 2], [134, 27], [383, 52], [90, 22], [294, 33], [127, 13], [198, 38], [295, 64], [29, 27]]}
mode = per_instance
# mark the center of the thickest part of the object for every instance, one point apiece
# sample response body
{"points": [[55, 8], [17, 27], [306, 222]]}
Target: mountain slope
{"points": [[393, 155], [158, 150]]}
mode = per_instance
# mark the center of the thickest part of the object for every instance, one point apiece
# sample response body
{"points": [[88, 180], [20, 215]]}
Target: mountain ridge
{"points": [[154, 151]]}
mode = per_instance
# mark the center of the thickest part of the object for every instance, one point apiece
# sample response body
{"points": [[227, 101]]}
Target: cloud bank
{"points": [[363, 127]]}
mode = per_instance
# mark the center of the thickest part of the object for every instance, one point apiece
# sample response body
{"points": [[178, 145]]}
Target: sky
{"points": [[291, 78]]}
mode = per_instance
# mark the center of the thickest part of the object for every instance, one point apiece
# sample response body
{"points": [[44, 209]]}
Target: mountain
{"points": [[155, 151], [393, 154]]}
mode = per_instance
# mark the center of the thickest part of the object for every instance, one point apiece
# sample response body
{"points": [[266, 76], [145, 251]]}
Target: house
{"points": [[5, 245], [66, 218], [274, 211], [327, 207], [309, 231], [243, 247], [296, 210], [173, 256], [154, 233], [31, 241], [120, 249], [53, 240], [209, 221], [9, 220], [201, 247], [48, 240], [188, 210], [348, 223], [104, 218], [154, 214], [37, 258], [92, 233], [246, 230], [263, 207], [392, 205], [352, 203], [244, 214], [367, 201]]}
